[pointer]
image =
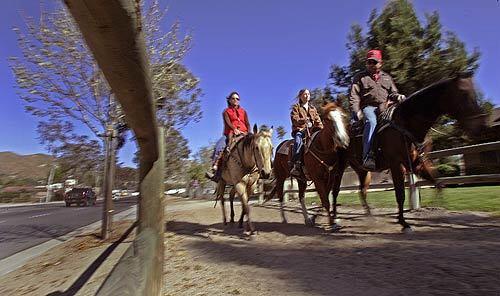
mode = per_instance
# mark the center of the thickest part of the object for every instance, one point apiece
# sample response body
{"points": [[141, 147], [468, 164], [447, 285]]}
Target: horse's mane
{"points": [[435, 87], [328, 107], [247, 140]]}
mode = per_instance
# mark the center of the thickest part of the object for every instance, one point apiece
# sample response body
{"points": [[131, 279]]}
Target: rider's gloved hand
{"points": [[401, 98], [309, 124], [360, 115]]}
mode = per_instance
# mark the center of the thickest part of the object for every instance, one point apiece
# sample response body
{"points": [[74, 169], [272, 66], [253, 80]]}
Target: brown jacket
{"points": [[367, 92], [300, 116]]}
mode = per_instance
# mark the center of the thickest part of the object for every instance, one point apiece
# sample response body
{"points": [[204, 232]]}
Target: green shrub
{"points": [[448, 170]]}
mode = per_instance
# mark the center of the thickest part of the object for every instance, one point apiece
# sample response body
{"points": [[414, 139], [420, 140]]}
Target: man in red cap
{"points": [[372, 90]]}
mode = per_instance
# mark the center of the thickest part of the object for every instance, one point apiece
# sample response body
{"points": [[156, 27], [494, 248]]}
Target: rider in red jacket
{"points": [[235, 123]]}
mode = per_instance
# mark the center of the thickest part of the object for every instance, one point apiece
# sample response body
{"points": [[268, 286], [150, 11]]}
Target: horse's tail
{"points": [[271, 194], [423, 165]]}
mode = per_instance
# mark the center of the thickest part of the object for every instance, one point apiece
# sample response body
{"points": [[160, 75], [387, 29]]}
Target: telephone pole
{"points": [[109, 177], [109, 170]]}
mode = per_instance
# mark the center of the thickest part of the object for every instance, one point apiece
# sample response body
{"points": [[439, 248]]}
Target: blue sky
{"points": [[266, 50]]}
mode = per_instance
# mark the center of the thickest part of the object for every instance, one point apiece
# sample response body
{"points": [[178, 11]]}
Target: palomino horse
{"points": [[411, 121], [320, 160], [247, 161]]}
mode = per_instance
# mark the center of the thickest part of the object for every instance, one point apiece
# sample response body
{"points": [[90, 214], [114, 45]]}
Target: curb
{"points": [[16, 205]]}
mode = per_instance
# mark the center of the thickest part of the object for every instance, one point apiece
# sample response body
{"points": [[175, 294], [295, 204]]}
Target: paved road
{"points": [[28, 226]]}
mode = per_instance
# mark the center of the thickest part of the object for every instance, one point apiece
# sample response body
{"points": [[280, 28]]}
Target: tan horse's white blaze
{"points": [[341, 136], [265, 148]]}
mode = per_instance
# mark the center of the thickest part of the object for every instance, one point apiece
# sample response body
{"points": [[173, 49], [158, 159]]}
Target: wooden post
{"points": [[414, 191], [151, 215], [113, 32]]}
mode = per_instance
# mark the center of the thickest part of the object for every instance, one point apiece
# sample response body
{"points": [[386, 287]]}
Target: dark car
{"points": [[80, 196]]}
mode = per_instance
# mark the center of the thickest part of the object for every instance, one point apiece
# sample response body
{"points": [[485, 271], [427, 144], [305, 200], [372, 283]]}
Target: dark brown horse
{"points": [[411, 121], [320, 161]]}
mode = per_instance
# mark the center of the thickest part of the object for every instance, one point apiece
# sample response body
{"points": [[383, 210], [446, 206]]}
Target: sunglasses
{"points": [[233, 98], [371, 62]]}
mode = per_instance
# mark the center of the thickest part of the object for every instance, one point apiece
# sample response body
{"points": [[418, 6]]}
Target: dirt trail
{"points": [[449, 253]]}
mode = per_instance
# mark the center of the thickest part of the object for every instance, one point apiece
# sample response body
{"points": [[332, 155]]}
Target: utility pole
{"points": [[49, 184], [109, 170], [109, 177]]}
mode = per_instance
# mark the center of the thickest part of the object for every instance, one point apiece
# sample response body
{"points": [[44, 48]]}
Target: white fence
{"points": [[412, 182]]}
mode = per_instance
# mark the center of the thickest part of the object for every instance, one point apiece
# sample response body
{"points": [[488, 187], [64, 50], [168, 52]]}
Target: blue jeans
{"points": [[370, 124], [219, 147], [298, 138]]}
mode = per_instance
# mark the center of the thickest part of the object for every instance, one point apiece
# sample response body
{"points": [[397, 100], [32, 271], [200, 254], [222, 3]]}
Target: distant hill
{"points": [[33, 166]]}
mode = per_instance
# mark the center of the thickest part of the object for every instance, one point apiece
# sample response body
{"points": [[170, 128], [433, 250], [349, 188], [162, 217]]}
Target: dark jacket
{"points": [[367, 92], [300, 116]]}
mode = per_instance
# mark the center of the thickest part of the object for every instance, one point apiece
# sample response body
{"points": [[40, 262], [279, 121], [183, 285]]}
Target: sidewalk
{"points": [[74, 264]]}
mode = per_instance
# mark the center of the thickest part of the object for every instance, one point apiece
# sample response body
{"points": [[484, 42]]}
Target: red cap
{"points": [[374, 54]]}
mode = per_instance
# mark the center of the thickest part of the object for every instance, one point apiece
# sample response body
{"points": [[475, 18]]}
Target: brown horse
{"points": [[320, 161], [248, 160], [411, 121]]}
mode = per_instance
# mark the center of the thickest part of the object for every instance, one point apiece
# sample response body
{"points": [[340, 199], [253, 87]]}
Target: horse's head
{"points": [[334, 119], [463, 106], [263, 150]]}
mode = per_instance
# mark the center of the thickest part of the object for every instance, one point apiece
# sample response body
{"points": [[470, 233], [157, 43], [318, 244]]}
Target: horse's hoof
{"points": [[309, 222], [336, 227], [407, 230], [284, 221]]}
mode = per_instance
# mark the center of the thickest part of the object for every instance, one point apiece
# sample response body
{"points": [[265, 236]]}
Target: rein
{"points": [[330, 168], [240, 164]]}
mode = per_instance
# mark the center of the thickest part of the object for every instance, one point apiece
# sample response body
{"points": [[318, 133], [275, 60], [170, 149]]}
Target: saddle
{"points": [[384, 119], [287, 147], [230, 147]]}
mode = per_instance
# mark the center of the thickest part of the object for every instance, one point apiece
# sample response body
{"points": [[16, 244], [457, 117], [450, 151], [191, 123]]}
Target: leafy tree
{"points": [[60, 82], [178, 153], [200, 164], [321, 96], [76, 155], [280, 132], [126, 177], [415, 54]]}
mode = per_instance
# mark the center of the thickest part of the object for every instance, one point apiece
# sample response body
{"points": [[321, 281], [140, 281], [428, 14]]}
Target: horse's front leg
{"points": [[220, 196], [399, 188], [280, 182], [308, 220], [335, 193], [231, 202], [364, 182], [241, 188]]}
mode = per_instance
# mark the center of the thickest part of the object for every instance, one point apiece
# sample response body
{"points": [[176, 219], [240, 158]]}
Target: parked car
{"points": [[80, 196]]}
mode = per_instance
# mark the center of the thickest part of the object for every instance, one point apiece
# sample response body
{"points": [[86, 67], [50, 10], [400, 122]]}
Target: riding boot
{"points": [[215, 173]]}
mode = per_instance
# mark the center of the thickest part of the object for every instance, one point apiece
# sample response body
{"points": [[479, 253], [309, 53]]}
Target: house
{"points": [[486, 162]]}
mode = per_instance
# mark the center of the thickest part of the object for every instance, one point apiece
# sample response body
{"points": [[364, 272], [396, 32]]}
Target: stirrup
{"points": [[296, 170]]}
